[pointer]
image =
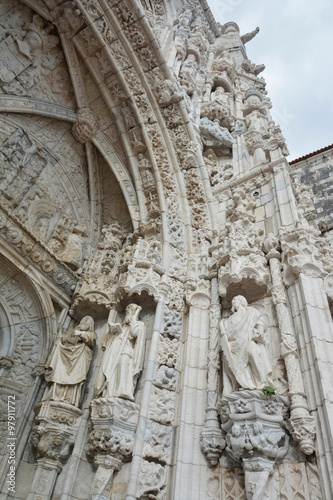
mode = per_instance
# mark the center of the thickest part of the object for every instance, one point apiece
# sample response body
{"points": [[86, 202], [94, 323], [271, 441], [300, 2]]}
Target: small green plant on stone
{"points": [[269, 390]]}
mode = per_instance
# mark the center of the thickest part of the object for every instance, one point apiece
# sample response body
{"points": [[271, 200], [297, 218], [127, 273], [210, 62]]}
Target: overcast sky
{"points": [[295, 43]]}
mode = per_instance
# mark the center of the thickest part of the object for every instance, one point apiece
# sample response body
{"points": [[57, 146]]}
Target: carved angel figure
{"points": [[244, 345], [123, 357], [68, 364]]}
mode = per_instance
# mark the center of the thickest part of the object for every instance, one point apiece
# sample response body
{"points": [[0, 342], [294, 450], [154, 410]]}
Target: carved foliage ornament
{"points": [[117, 444], [52, 443]]}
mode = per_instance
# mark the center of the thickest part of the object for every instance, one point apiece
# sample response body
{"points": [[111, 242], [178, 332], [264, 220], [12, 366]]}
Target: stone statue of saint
{"points": [[246, 362], [68, 364], [123, 358]]}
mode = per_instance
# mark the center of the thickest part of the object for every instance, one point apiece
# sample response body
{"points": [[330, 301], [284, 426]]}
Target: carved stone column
{"points": [[307, 260], [212, 442], [301, 424], [44, 479], [53, 437], [255, 436], [111, 440], [193, 393]]}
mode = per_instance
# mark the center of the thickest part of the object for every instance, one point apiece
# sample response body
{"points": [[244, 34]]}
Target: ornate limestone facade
{"points": [[165, 326]]}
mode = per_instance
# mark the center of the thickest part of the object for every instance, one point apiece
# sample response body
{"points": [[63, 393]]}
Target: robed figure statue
{"points": [[68, 364], [246, 362], [123, 357]]}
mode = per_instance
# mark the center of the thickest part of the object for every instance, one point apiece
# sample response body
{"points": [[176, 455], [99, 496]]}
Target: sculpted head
{"points": [[86, 324], [236, 430], [238, 302], [191, 58], [132, 310]]}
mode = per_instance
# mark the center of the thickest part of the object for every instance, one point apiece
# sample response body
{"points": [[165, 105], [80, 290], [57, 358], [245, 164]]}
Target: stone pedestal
{"points": [[255, 435], [53, 438], [114, 423]]}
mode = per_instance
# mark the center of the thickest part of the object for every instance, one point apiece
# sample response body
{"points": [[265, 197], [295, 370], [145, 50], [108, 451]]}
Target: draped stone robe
{"points": [[68, 365], [122, 360], [246, 358]]}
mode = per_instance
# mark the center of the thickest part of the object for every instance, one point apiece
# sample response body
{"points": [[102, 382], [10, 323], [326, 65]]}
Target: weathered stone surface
{"points": [[141, 173]]}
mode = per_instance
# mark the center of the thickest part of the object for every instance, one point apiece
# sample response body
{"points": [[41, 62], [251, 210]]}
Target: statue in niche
{"points": [[123, 357], [68, 364], [219, 96], [244, 344]]}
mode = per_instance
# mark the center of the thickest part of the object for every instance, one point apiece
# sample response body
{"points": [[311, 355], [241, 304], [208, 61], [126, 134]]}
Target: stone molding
{"points": [[15, 234]]}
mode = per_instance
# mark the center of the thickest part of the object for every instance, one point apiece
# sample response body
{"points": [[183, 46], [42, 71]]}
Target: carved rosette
{"points": [[255, 435]]}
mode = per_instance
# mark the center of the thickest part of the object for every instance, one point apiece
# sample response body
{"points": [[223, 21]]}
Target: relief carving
{"points": [[168, 352], [239, 252], [188, 73], [214, 135], [27, 50], [256, 439], [157, 442], [152, 481], [67, 242], [52, 444], [166, 378], [173, 323], [162, 406]]}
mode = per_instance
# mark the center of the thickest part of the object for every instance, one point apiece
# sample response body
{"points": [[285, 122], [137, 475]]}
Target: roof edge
{"points": [[309, 155]]}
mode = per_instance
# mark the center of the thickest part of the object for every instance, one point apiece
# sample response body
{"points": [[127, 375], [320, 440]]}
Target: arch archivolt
{"points": [[26, 335], [132, 109], [145, 102]]}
